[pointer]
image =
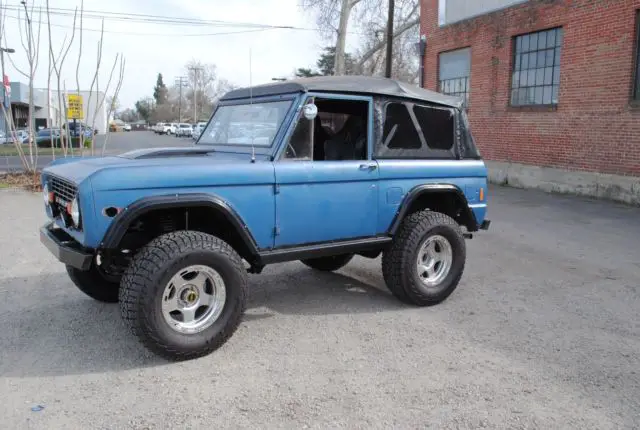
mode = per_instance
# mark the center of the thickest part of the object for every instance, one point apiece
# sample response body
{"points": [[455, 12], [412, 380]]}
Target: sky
{"points": [[165, 48]]}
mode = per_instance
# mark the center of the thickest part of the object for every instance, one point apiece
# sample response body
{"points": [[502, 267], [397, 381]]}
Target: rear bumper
{"points": [[66, 249]]}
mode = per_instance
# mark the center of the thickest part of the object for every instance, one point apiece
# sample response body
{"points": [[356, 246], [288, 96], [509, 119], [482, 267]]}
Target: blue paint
{"points": [[281, 202], [325, 200]]}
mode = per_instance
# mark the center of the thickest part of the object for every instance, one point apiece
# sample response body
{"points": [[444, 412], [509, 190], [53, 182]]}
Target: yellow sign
{"points": [[74, 107]]}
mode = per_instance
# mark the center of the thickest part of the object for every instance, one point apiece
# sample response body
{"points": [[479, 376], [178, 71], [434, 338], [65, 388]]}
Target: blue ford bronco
{"points": [[317, 170]]}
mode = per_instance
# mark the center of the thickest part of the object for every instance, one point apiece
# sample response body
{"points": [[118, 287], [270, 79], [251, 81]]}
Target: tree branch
{"points": [[379, 45]]}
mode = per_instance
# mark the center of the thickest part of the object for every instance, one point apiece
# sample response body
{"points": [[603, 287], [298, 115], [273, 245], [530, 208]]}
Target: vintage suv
{"points": [[317, 169]]}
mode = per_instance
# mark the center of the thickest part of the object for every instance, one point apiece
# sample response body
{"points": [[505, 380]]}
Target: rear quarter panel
{"points": [[398, 177]]}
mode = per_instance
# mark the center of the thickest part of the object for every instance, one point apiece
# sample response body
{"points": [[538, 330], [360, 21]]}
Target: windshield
{"points": [[245, 124]]}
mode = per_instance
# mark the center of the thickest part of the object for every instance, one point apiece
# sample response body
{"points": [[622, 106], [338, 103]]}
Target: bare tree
{"points": [[114, 97], [57, 68], [330, 11], [95, 81], [370, 19], [31, 46]]}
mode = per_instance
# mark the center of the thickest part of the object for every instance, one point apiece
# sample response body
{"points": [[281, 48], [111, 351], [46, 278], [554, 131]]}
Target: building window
{"points": [[454, 73], [636, 75], [536, 68]]}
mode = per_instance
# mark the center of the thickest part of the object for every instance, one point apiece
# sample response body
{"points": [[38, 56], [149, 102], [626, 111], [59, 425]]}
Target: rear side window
{"points": [[399, 131], [437, 125], [419, 131]]}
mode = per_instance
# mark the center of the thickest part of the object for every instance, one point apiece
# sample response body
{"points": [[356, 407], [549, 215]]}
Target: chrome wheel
{"points": [[435, 259], [193, 299]]}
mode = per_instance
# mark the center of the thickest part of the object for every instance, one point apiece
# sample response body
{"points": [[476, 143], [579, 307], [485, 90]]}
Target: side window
{"points": [[339, 132], [437, 125], [417, 131], [399, 131], [299, 145]]}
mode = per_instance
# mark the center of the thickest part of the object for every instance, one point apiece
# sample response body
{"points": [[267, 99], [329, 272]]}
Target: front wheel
{"points": [[426, 259], [184, 294]]}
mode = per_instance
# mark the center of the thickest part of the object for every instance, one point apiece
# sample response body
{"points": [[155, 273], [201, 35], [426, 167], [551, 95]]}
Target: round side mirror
{"points": [[310, 111]]}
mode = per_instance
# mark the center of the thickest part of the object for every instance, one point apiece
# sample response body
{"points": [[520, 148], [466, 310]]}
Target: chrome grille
{"points": [[63, 190]]}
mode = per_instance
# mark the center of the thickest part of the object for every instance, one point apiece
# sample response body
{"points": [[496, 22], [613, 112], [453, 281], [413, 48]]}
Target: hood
{"points": [[158, 167]]}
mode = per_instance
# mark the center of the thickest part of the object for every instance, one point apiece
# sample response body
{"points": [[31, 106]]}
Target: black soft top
{"points": [[369, 85]]}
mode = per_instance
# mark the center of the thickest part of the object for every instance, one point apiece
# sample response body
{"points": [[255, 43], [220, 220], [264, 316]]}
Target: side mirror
{"points": [[310, 111]]}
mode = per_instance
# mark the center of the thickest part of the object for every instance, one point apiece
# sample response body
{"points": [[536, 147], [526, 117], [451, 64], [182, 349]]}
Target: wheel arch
{"points": [[144, 206], [445, 198]]}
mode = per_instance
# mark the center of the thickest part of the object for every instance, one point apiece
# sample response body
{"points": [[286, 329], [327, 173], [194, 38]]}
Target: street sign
{"points": [[74, 107]]}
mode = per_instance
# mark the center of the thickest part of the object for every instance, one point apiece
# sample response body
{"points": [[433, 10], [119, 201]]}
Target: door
{"points": [[324, 200]]}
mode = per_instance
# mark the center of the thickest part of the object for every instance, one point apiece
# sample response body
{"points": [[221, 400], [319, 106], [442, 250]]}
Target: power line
{"points": [[97, 30], [159, 19], [153, 19]]}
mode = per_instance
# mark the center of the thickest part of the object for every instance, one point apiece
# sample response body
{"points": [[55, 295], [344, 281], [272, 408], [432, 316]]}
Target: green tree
{"points": [[306, 73], [326, 65], [160, 91], [144, 109], [326, 62]]}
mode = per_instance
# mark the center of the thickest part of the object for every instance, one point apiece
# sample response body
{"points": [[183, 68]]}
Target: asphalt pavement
{"points": [[543, 332], [117, 143]]}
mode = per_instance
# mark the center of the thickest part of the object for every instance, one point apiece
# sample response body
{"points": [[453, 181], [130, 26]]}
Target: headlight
{"points": [[45, 194], [75, 212]]}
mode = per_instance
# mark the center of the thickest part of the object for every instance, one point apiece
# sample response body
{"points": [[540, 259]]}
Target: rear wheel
{"points": [[94, 284], [328, 264], [426, 259], [184, 294]]}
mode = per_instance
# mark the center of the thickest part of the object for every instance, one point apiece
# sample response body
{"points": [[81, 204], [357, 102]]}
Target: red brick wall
{"points": [[595, 127]]}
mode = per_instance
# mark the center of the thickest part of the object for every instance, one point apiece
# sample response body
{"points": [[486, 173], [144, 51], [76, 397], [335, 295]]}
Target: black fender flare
{"points": [[419, 191], [123, 220]]}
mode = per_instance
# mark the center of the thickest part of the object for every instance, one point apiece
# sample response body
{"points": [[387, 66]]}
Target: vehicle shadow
{"points": [[54, 329], [295, 289]]}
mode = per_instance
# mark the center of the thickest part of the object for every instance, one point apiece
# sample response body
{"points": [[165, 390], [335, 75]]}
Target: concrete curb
{"points": [[623, 189]]}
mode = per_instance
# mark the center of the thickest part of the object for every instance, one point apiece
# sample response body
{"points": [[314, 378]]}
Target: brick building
{"points": [[552, 88]]}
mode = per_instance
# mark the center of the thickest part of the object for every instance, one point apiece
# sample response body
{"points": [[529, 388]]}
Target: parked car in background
{"points": [[166, 129], [50, 137], [127, 127], [8, 138], [172, 128], [197, 130], [183, 130], [158, 128], [77, 127]]}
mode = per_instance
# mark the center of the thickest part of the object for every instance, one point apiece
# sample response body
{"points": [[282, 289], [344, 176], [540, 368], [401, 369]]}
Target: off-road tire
{"points": [[328, 264], [93, 284], [144, 281], [399, 267]]}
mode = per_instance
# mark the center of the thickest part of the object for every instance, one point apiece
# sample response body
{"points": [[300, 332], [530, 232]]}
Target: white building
{"points": [[46, 107]]}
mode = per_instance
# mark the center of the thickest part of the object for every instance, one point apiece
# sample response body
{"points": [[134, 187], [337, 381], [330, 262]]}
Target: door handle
{"points": [[368, 166]]}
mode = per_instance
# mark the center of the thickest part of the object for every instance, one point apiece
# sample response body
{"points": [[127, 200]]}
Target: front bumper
{"points": [[64, 247]]}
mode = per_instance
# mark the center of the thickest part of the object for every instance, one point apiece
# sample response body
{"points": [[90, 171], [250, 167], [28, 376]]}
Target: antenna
{"points": [[253, 149]]}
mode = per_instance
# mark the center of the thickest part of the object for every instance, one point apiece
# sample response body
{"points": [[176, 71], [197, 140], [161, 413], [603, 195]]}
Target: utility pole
{"points": [[180, 81], [195, 70], [6, 99], [389, 38]]}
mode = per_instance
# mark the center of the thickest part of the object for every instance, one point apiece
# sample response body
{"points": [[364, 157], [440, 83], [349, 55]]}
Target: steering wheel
{"points": [[290, 150]]}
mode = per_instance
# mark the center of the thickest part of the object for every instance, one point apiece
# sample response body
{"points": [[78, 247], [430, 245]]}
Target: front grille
{"points": [[64, 191]]}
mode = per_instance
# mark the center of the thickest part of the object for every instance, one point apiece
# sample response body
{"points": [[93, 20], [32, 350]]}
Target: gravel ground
{"points": [[543, 332]]}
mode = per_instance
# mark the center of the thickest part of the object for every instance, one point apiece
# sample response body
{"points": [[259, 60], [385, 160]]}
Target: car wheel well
{"points": [[446, 202], [205, 219]]}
